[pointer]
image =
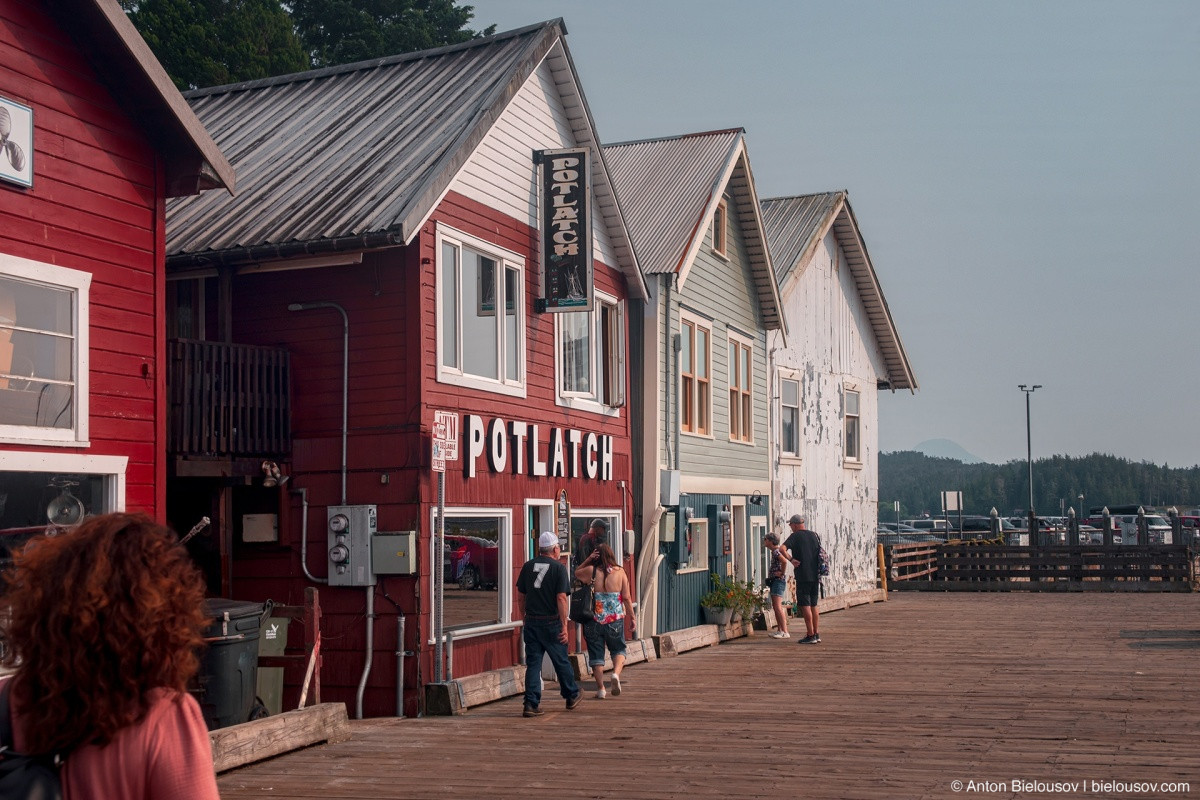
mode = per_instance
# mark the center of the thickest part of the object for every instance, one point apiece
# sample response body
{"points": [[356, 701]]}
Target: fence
{"points": [[993, 567]]}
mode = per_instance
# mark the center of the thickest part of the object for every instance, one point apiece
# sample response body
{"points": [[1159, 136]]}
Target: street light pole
{"points": [[1029, 459]]}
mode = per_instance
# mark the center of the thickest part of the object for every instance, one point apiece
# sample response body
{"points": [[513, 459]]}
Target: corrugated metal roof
{"points": [[668, 189], [795, 225], [352, 151]]}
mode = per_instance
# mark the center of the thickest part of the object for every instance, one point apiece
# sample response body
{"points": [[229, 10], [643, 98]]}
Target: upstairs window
{"points": [[591, 356], [719, 227], [741, 400], [43, 352], [853, 443], [481, 314], [695, 368], [789, 416]]}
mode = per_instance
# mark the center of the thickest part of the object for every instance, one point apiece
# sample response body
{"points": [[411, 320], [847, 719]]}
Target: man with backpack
{"points": [[805, 549]]}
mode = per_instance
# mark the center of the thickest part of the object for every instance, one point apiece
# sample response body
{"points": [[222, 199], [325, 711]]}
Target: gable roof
{"points": [[795, 225], [124, 62], [670, 189], [357, 156]]}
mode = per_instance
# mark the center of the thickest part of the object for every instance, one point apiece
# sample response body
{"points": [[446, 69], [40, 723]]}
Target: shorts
{"points": [[807, 593], [778, 586], [599, 634]]}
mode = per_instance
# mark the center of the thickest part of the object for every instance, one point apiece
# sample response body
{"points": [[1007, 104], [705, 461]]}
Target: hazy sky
{"points": [[1026, 176]]}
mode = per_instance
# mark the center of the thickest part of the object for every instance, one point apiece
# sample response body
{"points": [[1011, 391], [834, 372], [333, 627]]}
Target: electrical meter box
{"points": [[394, 553], [350, 530]]}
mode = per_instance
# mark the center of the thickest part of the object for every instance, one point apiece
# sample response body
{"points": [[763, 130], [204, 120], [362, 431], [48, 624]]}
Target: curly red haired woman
{"points": [[104, 626]]}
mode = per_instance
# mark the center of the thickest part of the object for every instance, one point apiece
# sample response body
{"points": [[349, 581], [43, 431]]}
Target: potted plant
{"points": [[728, 599]]}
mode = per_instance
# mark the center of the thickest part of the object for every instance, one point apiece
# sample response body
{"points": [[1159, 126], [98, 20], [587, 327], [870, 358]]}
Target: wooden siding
{"points": [[721, 288], [499, 174], [831, 345], [94, 206]]}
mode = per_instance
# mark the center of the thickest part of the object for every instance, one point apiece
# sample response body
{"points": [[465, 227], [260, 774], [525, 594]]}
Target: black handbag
{"points": [[583, 603], [23, 776]]}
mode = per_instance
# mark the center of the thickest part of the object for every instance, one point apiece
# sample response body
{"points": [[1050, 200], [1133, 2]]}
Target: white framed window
{"points": [[697, 533], [789, 414], [477, 564], [590, 356], [853, 442], [695, 375], [720, 225], [741, 389], [40, 489], [44, 314], [481, 314]]}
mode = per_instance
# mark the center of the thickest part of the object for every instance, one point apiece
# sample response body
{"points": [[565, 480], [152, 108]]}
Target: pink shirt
{"points": [[167, 755]]}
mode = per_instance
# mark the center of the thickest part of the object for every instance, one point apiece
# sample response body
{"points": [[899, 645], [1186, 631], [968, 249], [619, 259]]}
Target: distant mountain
{"points": [[945, 448]]}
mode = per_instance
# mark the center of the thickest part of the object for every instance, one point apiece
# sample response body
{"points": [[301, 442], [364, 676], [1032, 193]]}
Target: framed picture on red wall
{"points": [[16, 142]]}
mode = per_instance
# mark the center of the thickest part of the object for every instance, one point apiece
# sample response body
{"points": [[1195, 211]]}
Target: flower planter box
{"points": [[717, 616]]}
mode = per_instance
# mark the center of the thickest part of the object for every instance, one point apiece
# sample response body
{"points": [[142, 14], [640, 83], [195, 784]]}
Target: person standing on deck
{"points": [[805, 549], [597, 534], [542, 590], [777, 582]]}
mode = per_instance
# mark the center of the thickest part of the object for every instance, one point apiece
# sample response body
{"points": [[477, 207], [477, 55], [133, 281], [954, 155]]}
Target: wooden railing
{"points": [[228, 400], [992, 567]]}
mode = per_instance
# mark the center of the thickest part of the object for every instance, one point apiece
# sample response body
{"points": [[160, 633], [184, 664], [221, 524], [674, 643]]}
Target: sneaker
{"points": [[532, 711], [575, 701], [781, 635], [814, 639], [616, 685], [601, 694]]}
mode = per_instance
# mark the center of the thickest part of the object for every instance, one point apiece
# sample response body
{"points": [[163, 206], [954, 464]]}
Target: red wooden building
{"points": [[93, 138], [382, 263]]}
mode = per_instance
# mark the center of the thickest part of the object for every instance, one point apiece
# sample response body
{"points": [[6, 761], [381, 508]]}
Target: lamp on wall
{"points": [[756, 499], [272, 475]]}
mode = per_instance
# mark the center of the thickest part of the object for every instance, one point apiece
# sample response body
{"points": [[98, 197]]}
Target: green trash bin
{"points": [[226, 682]]}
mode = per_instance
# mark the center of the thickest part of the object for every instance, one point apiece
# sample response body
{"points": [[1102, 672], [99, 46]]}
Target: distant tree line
{"points": [[917, 481], [213, 42]]}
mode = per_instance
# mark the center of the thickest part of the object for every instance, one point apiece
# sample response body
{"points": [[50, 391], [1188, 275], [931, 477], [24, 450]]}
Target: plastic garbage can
{"points": [[228, 673]]}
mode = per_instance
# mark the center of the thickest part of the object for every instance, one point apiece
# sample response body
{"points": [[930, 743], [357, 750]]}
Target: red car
{"points": [[472, 561]]}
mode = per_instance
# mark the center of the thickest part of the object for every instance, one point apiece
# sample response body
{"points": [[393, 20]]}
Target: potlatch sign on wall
{"points": [[566, 230]]}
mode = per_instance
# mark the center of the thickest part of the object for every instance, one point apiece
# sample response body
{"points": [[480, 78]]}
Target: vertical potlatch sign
{"points": [[566, 230]]}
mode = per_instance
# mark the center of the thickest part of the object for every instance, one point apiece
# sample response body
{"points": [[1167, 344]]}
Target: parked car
{"points": [[895, 527], [928, 524], [1126, 527], [472, 562], [1089, 534], [977, 523]]}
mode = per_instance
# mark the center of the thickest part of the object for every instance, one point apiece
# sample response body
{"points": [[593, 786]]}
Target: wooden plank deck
{"points": [[900, 699]]}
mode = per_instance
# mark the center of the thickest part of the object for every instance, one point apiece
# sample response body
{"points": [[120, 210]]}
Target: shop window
{"points": [[853, 432], [481, 314], [49, 492], [591, 356], [697, 533], [43, 352], [695, 369], [476, 560]]}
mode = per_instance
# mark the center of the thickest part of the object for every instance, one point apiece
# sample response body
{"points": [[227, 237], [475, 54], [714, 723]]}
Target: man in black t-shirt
{"points": [[805, 548], [542, 597], [597, 534]]}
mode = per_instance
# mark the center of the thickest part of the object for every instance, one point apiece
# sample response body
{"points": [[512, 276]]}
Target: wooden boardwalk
{"points": [[900, 700]]}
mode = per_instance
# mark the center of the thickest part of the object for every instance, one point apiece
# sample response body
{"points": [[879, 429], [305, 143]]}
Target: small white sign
{"points": [[445, 430], [438, 461]]}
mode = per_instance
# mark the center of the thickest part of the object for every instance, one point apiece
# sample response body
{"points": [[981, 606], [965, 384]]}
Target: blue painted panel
{"points": [[679, 593]]}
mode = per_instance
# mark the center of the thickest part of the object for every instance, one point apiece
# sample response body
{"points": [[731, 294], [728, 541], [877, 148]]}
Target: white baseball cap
{"points": [[547, 539]]}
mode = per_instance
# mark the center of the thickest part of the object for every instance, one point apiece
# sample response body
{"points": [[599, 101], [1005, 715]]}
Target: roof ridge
{"points": [[372, 63], [676, 137], [805, 196]]}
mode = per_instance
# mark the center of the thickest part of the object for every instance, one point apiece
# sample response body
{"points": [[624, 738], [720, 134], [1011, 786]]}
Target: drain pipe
{"points": [[366, 673], [400, 665], [303, 492], [345, 370]]}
